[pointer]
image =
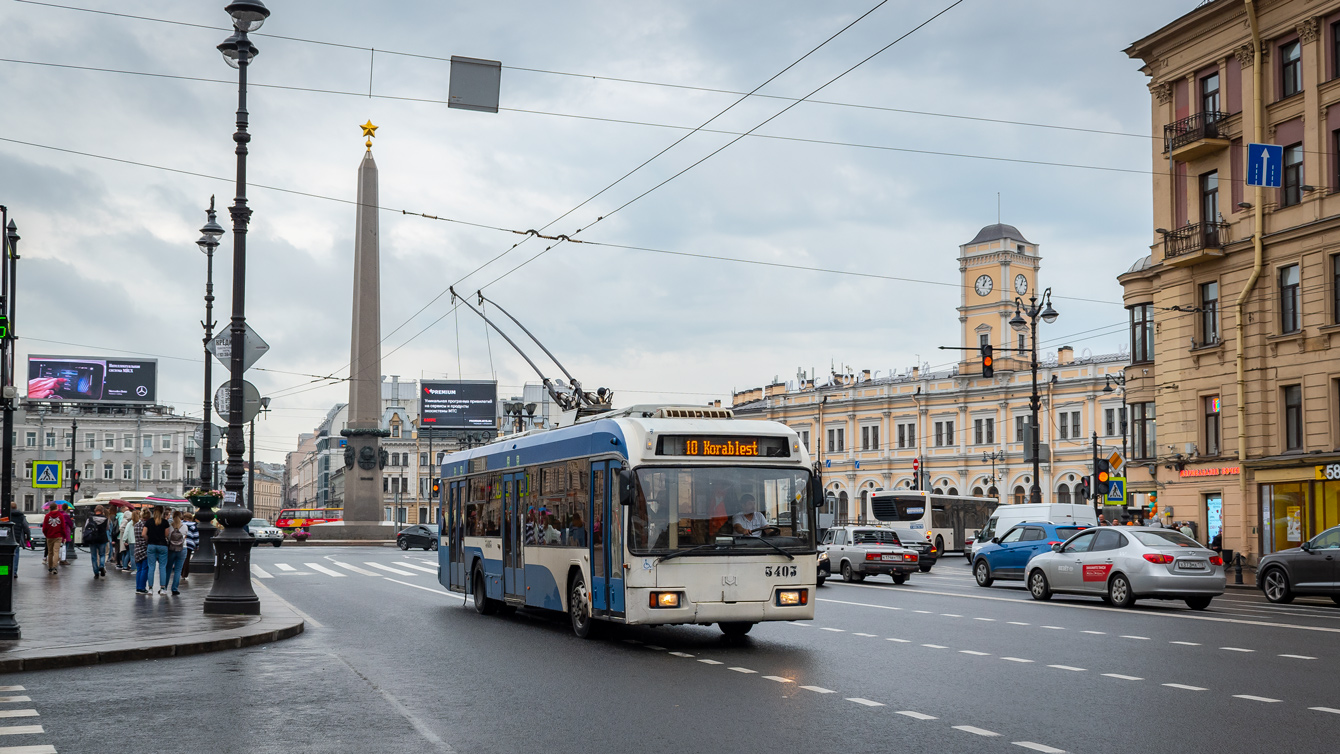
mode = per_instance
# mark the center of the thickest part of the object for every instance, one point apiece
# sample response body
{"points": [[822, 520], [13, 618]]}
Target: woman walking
{"points": [[128, 539], [156, 537], [192, 542], [95, 536], [141, 553], [176, 543]]}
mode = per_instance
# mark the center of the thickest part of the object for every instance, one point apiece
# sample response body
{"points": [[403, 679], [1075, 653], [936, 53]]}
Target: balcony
{"points": [[1194, 243], [1194, 137]]}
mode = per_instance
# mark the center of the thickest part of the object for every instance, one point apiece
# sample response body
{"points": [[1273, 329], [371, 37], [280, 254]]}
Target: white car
{"points": [[263, 531], [1124, 563]]}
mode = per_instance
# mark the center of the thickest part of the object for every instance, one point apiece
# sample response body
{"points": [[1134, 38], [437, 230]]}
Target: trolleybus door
{"points": [[514, 579], [456, 548], [606, 560]]}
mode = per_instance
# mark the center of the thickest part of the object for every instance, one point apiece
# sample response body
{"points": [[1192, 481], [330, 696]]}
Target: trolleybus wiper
{"points": [[564, 401], [788, 555], [677, 553]]}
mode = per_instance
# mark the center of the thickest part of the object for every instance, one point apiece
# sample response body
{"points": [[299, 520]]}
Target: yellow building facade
{"points": [[866, 431]]}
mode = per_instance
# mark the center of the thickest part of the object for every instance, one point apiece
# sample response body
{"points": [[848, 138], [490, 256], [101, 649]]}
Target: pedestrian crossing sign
{"points": [[1116, 491], [47, 474]]}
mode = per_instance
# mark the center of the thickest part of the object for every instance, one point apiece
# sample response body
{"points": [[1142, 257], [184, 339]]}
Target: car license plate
{"points": [[889, 556], [1190, 565]]}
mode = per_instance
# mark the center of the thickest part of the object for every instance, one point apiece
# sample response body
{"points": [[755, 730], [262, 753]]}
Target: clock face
{"points": [[983, 285], [1020, 284]]}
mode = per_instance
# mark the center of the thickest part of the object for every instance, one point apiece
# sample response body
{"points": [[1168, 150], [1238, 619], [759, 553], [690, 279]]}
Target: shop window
{"points": [[1293, 417], [1212, 425]]}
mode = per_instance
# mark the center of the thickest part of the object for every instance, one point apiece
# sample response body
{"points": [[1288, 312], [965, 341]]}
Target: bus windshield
{"points": [[735, 507], [898, 508]]}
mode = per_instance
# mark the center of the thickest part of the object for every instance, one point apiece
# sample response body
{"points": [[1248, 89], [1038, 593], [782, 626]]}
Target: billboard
{"points": [[92, 380], [458, 404]]}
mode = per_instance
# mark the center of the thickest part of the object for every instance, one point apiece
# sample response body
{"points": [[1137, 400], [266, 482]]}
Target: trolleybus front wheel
{"points": [[579, 609], [735, 629]]}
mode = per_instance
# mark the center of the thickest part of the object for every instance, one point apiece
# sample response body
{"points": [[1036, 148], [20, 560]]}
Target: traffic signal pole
{"points": [[74, 450], [1097, 508]]}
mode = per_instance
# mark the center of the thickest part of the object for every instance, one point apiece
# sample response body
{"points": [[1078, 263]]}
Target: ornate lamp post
{"points": [[1035, 310], [202, 560], [993, 456], [1120, 379], [232, 592]]}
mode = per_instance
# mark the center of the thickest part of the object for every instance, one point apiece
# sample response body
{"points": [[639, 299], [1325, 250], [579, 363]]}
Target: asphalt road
{"points": [[391, 663]]}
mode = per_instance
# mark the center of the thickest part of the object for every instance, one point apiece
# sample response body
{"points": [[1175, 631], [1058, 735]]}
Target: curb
{"points": [[277, 624], [342, 543]]}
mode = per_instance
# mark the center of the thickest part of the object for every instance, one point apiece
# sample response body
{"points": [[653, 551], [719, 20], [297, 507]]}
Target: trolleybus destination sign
{"points": [[723, 447]]}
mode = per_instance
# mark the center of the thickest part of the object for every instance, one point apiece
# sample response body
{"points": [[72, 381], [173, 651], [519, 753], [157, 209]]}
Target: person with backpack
{"points": [[156, 527], [96, 537], [176, 543], [53, 528], [141, 553]]}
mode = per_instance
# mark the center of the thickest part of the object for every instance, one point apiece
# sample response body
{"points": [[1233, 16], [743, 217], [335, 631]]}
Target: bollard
{"points": [[1237, 569]]}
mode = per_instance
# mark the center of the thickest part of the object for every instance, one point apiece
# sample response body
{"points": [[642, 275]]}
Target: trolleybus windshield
{"points": [[733, 508]]}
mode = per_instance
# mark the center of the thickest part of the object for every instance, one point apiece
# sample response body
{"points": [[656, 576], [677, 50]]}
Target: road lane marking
{"points": [[655, 648], [43, 749], [866, 702], [681, 654], [284, 567], [950, 615], [923, 612], [259, 572], [425, 569], [711, 662], [869, 635], [935, 646], [1054, 628], [631, 641], [18, 713], [4, 699], [1123, 677], [1017, 623], [976, 654], [325, 570], [1015, 659], [916, 715], [1185, 643], [356, 569], [1067, 667], [1331, 710], [1184, 687], [1141, 638], [975, 731], [1298, 657], [12, 688], [396, 571], [818, 689], [742, 670], [900, 641], [1249, 697], [20, 730], [1096, 633], [425, 588], [992, 620], [1039, 747], [778, 679], [1236, 649], [834, 630]]}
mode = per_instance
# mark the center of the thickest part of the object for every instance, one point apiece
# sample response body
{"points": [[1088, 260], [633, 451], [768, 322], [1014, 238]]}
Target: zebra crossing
{"points": [[14, 721], [361, 568]]}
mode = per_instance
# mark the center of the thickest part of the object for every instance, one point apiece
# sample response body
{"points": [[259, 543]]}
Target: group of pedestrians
{"points": [[148, 542], [163, 545]]}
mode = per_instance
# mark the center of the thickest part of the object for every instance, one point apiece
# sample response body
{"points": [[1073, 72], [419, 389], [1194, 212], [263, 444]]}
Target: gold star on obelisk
{"points": [[369, 131]]}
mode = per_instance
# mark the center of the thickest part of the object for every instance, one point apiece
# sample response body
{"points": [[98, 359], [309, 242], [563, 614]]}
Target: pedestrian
{"points": [[95, 536], [22, 537], [53, 528], [1217, 542], [156, 527], [141, 553], [68, 519], [114, 532], [176, 542], [128, 539], [1186, 529], [192, 542], [1102, 520]]}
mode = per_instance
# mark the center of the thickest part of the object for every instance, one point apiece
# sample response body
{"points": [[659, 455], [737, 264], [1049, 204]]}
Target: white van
{"points": [[1006, 516]]}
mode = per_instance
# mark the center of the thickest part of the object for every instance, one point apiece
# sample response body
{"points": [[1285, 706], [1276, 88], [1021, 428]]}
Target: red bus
{"points": [[294, 518]]}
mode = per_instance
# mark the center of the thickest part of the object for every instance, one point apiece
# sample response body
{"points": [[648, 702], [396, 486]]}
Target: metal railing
{"points": [[1208, 125], [1194, 237]]}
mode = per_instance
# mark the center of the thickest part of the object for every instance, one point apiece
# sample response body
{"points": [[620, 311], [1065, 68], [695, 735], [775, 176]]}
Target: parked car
{"points": [[1306, 570], [825, 568], [1006, 557], [263, 531], [1124, 564], [862, 551], [418, 535]]}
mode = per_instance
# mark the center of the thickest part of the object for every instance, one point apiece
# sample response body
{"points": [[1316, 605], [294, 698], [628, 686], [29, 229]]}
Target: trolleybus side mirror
{"points": [[626, 487]]}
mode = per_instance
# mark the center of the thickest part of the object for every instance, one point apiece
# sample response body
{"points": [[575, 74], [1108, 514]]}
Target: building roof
{"points": [[997, 232], [1143, 263]]}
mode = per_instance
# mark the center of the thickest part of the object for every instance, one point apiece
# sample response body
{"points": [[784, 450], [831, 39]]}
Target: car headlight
{"points": [[823, 556]]}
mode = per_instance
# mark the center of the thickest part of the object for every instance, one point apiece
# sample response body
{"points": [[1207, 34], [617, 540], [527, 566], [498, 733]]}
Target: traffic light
{"points": [[1102, 473], [74, 483], [1085, 489], [988, 362], [437, 487]]}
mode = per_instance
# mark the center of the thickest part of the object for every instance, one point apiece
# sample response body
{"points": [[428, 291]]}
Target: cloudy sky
{"points": [[110, 265]]}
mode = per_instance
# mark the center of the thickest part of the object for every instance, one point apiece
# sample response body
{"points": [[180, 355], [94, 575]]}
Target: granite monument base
{"points": [[353, 531]]}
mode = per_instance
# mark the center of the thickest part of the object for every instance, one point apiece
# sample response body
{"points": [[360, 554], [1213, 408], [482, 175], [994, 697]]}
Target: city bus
{"points": [[948, 518], [296, 518], [650, 515]]}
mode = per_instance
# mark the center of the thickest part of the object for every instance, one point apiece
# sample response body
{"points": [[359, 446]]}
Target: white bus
{"points": [[948, 518], [648, 515]]}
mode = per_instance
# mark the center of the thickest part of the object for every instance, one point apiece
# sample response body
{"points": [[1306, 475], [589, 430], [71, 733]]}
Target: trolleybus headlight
{"points": [[664, 599], [791, 597]]}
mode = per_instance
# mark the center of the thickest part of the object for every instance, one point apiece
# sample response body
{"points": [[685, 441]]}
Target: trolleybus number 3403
{"points": [[781, 572]]}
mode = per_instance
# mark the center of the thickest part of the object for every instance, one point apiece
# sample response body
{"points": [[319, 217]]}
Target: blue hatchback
{"points": [[1007, 556]]}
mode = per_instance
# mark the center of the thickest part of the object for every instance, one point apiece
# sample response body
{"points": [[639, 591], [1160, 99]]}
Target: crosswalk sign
{"points": [[47, 474], [1116, 491]]}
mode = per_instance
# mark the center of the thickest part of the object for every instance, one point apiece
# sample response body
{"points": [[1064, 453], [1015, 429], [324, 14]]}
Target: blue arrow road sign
{"points": [[1116, 491], [1264, 165]]}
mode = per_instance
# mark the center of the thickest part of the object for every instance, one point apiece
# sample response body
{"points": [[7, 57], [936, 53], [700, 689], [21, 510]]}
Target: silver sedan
{"points": [[1126, 563]]}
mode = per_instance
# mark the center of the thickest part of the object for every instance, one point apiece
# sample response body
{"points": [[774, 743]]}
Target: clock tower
{"points": [[996, 266]]}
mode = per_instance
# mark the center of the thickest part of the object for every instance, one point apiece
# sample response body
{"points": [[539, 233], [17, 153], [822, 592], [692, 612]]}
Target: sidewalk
{"points": [[72, 619]]}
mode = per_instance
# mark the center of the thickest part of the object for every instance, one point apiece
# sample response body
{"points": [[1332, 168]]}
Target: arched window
{"points": [[1063, 495], [977, 491], [865, 503], [953, 490], [842, 505], [1018, 495], [937, 491], [993, 492]]}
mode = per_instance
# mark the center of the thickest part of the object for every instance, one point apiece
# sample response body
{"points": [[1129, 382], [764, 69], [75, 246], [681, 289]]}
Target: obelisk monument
{"points": [[363, 456]]}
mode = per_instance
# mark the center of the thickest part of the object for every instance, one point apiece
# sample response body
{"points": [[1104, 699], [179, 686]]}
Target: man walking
{"points": [[68, 519], [53, 528], [95, 536]]}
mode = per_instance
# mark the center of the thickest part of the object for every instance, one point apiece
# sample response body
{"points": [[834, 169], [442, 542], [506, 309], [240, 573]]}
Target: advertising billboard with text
{"points": [[92, 380], [458, 404]]}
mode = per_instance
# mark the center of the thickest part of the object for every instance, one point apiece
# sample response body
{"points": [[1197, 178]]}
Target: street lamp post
{"points": [[9, 626], [1035, 310], [993, 456], [202, 559], [232, 593], [1120, 379]]}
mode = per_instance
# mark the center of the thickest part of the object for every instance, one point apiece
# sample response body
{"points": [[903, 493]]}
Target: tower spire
{"points": [[369, 131]]}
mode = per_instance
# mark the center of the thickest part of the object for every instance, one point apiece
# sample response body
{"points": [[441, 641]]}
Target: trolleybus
{"points": [[648, 515], [945, 518]]}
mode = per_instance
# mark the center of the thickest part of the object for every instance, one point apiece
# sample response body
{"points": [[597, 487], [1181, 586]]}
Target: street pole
{"points": [[232, 592], [1097, 503], [9, 626], [202, 559], [74, 450], [1036, 309], [251, 468]]}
